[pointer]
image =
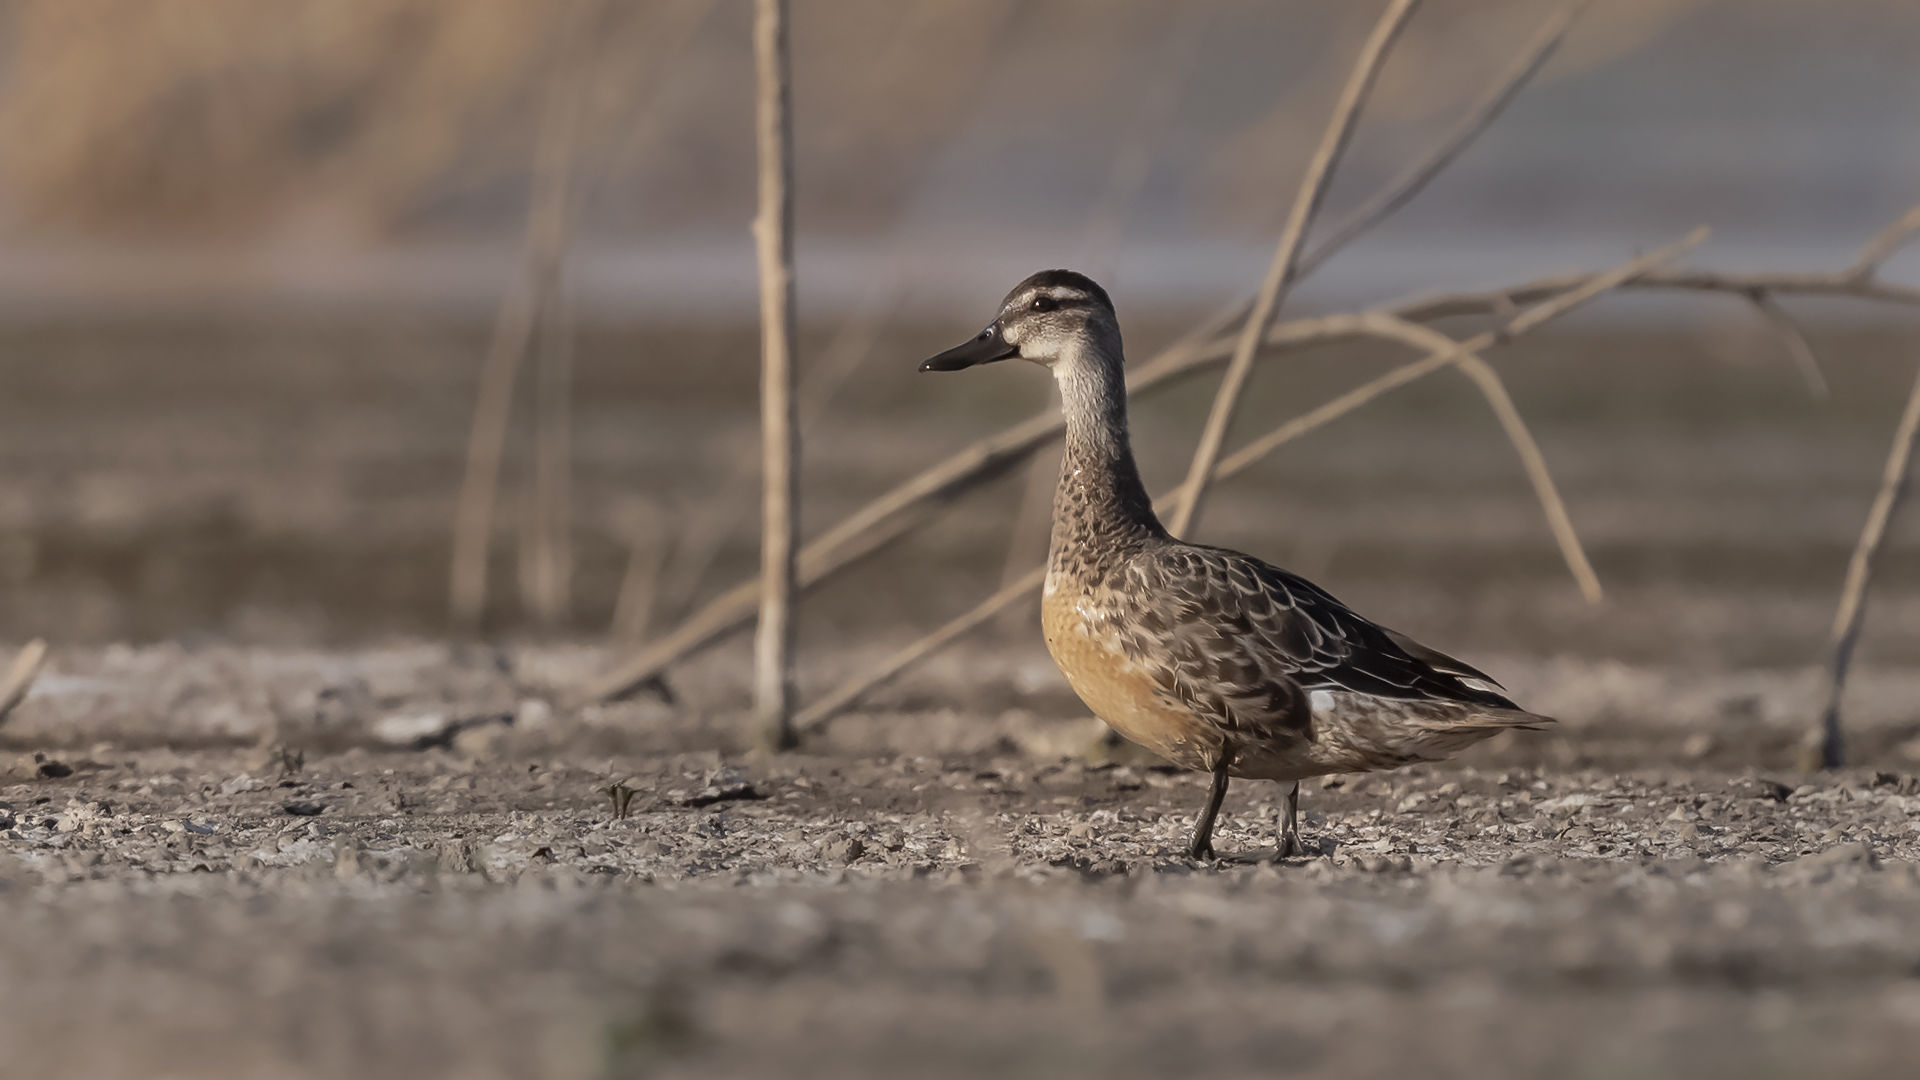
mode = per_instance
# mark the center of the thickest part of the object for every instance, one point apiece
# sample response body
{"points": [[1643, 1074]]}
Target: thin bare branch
{"points": [[20, 676], [1795, 341], [1883, 245], [848, 693], [1497, 301], [1286, 256], [546, 581], [634, 608], [1494, 390], [1853, 596], [779, 421], [486, 444], [1388, 200], [544, 248]]}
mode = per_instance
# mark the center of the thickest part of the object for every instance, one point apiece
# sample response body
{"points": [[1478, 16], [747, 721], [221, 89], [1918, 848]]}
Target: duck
{"points": [[1211, 659]]}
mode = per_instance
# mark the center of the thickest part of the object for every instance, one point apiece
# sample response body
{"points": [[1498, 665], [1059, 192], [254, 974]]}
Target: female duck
{"points": [[1212, 659]]}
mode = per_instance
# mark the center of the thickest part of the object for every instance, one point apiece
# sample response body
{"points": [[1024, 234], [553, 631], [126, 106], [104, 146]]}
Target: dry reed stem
{"points": [[779, 422], [1884, 244], [1853, 596], [1497, 301], [546, 580], [486, 444], [709, 525], [1442, 352], [20, 676], [1280, 275], [850, 692], [543, 250], [1388, 200], [547, 568], [1494, 390], [1795, 341], [639, 595]]}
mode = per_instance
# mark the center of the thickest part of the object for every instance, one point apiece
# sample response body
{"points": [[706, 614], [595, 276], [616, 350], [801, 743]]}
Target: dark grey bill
{"points": [[985, 348]]}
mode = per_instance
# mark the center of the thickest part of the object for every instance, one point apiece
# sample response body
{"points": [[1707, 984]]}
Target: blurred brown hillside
{"points": [[369, 120]]}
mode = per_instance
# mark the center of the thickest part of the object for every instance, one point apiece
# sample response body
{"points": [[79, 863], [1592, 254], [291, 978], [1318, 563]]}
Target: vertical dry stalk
{"points": [[640, 586], [1853, 596], [547, 587], [547, 556], [20, 676], [1495, 391], [1798, 347], [779, 429], [1280, 275], [1883, 245], [486, 443], [1410, 183], [544, 248]]}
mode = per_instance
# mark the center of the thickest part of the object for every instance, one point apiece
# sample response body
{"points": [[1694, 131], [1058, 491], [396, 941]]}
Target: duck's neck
{"points": [[1101, 508]]}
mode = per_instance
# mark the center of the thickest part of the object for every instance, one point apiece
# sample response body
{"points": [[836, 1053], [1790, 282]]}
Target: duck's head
{"points": [[1052, 315]]}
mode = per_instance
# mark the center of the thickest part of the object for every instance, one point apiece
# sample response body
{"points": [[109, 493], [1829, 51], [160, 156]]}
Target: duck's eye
{"points": [[1044, 303]]}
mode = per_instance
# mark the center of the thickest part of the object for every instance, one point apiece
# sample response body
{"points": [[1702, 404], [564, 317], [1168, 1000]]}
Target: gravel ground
{"points": [[477, 907]]}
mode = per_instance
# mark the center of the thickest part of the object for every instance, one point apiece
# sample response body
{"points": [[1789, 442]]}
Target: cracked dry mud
{"points": [[478, 909]]}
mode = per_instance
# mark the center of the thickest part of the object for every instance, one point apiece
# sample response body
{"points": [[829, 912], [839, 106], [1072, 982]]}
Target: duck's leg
{"points": [[1202, 846], [1290, 845]]}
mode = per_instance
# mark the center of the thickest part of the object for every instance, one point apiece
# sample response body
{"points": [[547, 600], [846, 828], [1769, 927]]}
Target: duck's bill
{"points": [[986, 347]]}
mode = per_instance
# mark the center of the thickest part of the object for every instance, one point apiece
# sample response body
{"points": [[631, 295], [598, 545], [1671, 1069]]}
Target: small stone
{"points": [[844, 849], [1824, 866], [457, 857], [1758, 788], [240, 783], [304, 809]]}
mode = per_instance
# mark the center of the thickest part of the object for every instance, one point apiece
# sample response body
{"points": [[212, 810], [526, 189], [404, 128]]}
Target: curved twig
{"points": [[1795, 340], [1883, 245], [20, 676], [1286, 256], [1388, 200], [1853, 596]]}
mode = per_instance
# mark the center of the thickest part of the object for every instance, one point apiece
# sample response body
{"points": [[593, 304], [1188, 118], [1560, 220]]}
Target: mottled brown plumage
{"points": [[1212, 659]]}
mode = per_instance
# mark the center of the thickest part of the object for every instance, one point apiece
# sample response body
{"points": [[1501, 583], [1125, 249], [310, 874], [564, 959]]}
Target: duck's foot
{"points": [[1290, 845], [1202, 846]]}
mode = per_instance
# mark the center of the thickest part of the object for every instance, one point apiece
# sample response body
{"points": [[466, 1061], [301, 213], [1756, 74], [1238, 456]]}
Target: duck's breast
{"points": [[1082, 630]]}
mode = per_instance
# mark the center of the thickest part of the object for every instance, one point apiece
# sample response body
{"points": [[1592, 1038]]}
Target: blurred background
{"points": [[251, 258]]}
